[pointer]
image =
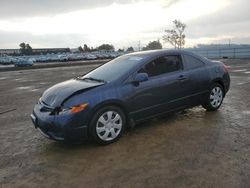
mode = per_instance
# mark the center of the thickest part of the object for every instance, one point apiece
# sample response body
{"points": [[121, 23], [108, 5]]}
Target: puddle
{"points": [[248, 72], [17, 79], [246, 112], [34, 90], [242, 83], [3, 78], [239, 70], [22, 88]]}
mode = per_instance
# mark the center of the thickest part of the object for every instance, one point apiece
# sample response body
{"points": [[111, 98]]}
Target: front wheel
{"points": [[107, 125], [215, 98]]}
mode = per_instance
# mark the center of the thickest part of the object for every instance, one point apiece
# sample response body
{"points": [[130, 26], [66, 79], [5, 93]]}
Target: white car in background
{"points": [[63, 57], [91, 57]]}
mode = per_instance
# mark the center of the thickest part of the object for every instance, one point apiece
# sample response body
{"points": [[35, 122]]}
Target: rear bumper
{"points": [[227, 82], [59, 133]]}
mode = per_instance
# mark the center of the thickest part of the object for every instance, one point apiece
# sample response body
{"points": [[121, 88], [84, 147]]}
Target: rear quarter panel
{"points": [[218, 74]]}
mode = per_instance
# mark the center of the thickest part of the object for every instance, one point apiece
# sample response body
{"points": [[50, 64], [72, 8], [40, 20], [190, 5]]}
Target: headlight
{"points": [[78, 108], [74, 109]]}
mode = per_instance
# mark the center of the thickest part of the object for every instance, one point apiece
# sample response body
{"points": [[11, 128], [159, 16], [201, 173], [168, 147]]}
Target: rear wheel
{"points": [[215, 98], [107, 125]]}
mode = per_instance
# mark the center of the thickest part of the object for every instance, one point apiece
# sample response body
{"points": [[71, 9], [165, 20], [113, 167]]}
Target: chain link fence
{"points": [[230, 53]]}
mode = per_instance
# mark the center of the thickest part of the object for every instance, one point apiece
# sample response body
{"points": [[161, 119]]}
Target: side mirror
{"points": [[141, 77]]}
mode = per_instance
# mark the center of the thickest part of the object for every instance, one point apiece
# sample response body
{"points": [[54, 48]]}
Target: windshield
{"points": [[113, 69]]}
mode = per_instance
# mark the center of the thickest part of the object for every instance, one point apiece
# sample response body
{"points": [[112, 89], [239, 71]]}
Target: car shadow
{"points": [[164, 120]]}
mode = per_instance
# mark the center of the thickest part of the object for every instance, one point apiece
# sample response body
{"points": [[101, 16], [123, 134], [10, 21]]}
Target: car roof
{"points": [[153, 53]]}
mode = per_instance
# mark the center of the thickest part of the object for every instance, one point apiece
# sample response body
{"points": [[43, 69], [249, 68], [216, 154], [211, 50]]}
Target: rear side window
{"points": [[191, 62], [162, 65]]}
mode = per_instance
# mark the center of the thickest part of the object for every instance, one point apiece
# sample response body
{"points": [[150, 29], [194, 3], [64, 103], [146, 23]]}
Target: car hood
{"points": [[57, 94]]}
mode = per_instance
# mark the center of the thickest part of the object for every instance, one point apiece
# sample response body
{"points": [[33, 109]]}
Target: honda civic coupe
{"points": [[127, 90]]}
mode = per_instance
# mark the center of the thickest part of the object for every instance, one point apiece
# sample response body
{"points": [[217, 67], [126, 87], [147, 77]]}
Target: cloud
{"points": [[61, 23], [231, 22], [30, 8], [13, 39]]}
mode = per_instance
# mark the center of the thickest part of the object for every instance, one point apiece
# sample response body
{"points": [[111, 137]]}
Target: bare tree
{"points": [[176, 36]]}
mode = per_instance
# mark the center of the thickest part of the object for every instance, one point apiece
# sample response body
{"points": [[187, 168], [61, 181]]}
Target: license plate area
{"points": [[44, 134]]}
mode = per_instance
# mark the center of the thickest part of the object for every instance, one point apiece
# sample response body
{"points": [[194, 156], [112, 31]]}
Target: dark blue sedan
{"points": [[127, 90]]}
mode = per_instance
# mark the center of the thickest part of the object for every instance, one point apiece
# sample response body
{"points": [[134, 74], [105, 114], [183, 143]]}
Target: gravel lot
{"points": [[192, 148]]}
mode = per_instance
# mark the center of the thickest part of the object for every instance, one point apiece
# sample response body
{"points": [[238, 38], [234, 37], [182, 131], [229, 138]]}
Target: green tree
{"points": [[154, 45], [120, 50], [86, 48], [28, 49], [176, 36], [80, 49], [22, 47], [25, 49], [107, 47], [130, 49]]}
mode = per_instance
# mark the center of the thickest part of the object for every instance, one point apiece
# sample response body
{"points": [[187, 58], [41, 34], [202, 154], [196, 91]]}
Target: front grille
{"points": [[45, 107]]}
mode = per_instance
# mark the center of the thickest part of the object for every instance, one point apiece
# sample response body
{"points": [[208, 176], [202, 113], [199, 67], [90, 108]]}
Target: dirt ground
{"points": [[193, 148]]}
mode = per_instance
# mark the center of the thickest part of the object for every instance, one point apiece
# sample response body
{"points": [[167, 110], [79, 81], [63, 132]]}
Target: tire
{"points": [[107, 125], [215, 98]]}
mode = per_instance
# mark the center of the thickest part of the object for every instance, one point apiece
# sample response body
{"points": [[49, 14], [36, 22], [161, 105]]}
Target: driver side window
{"points": [[162, 65]]}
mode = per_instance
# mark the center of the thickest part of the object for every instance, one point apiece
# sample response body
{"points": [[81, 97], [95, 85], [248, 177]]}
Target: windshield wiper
{"points": [[91, 78]]}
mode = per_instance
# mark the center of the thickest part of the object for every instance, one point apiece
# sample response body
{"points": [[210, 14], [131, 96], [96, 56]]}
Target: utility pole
{"points": [[139, 45]]}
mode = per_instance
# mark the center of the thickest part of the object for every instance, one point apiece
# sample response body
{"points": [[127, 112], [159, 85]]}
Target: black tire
{"points": [[94, 125], [211, 104]]}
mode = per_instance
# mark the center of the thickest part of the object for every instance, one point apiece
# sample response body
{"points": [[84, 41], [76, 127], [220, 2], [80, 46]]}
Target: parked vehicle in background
{"points": [[42, 58], [6, 60], [24, 63], [90, 57], [128, 90], [61, 57]]}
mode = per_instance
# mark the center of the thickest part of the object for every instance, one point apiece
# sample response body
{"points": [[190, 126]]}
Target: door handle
{"points": [[182, 78]]}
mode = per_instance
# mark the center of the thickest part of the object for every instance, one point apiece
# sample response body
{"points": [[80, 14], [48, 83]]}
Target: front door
{"points": [[163, 91]]}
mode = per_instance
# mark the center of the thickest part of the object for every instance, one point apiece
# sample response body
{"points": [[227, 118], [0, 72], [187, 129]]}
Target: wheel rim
{"points": [[109, 125], [216, 97]]}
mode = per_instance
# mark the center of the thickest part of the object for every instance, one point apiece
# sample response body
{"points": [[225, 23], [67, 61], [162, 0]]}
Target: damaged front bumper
{"points": [[66, 127]]}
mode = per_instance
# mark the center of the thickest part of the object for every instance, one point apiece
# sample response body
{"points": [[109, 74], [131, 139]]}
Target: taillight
{"points": [[225, 68]]}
